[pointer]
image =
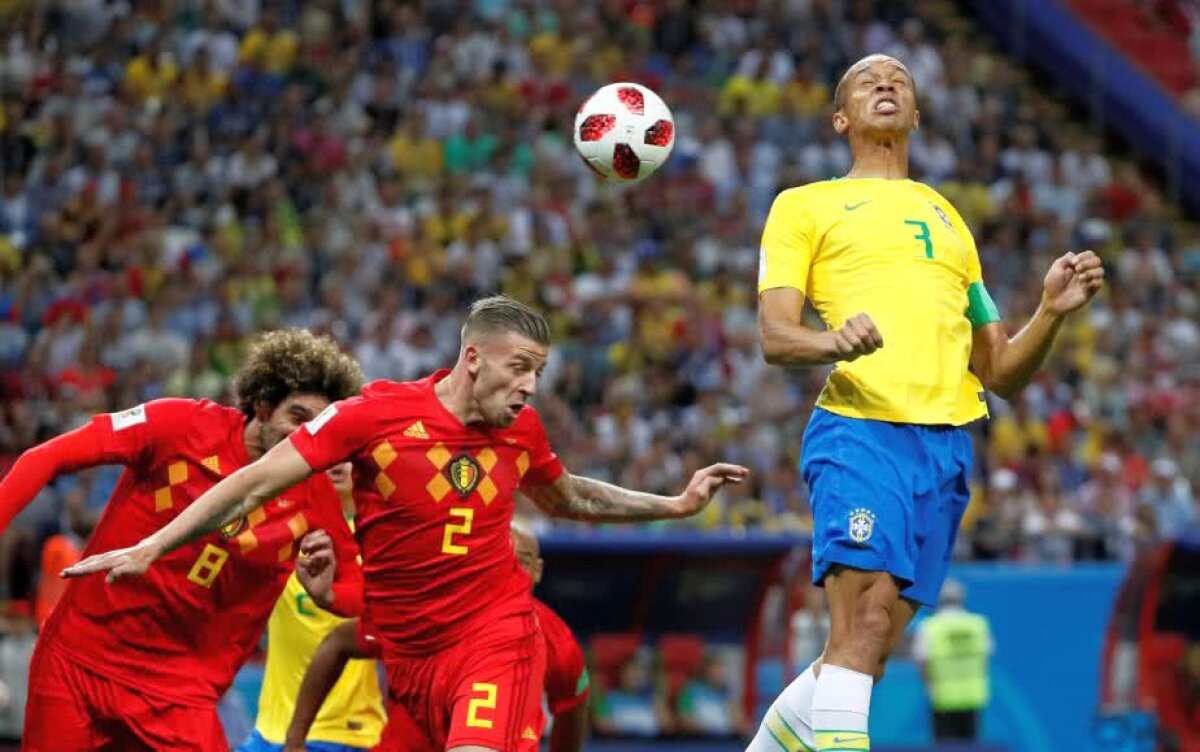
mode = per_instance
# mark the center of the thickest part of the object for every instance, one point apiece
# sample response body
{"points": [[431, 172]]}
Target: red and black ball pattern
{"points": [[632, 99], [628, 137], [594, 127], [661, 133], [625, 162]]}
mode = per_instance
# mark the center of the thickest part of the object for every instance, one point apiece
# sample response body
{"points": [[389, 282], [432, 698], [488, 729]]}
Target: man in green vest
{"points": [[953, 647]]}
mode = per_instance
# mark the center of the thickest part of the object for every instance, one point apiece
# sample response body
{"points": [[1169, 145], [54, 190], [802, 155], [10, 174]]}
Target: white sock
{"points": [[788, 718], [841, 708]]}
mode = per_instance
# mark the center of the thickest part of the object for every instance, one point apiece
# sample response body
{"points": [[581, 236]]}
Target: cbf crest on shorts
{"points": [[862, 525]]}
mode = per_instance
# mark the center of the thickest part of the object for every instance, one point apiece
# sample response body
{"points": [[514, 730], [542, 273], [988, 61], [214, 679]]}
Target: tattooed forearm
{"points": [[596, 501]]}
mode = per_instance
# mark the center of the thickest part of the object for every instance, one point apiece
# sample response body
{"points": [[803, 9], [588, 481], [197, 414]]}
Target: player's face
{"points": [[528, 554], [878, 96], [506, 368], [293, 412]]}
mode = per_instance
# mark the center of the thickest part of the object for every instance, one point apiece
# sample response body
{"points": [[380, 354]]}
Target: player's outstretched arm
{"points": [[41, 464], [787, 342], [579, 498], [1006, 365], [239, 494], [326, 667]]}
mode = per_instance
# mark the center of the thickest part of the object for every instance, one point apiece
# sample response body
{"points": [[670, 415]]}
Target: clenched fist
{"points": [[857, 337], [1073, 280]]}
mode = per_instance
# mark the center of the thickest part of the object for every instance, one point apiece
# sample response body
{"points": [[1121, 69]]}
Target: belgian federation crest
{"points": [[464, 474], [232, 528], [862, 525]]}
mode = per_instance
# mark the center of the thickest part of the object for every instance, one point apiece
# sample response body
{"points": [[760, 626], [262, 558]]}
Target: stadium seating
{"points": [[1157, 41], [609, 652], [681, 656]]}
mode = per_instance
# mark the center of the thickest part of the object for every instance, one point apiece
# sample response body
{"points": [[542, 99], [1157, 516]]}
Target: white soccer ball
{"points": [[624, 132]]}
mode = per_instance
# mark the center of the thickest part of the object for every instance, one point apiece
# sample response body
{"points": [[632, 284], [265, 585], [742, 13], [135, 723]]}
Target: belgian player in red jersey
{"points": [[567, 684], [436, 463], [140, 664]]}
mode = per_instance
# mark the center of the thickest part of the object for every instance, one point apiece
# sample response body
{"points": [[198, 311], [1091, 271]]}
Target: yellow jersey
{"points": [[899, 252], [353, 713]]}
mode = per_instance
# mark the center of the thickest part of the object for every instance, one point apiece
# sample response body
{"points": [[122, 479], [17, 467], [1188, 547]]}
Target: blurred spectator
{"points": [[59, 552], [1050, 529], [997, 534], [707, 704], [1171, 499], [633, 707]]}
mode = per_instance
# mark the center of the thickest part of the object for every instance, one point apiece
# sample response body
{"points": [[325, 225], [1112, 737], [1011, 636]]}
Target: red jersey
{"points": [[435, 503], [183, 628], [567, 682]]}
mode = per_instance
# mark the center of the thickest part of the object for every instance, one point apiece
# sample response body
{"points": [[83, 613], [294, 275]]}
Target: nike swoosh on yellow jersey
{"points": [[852, 207]]}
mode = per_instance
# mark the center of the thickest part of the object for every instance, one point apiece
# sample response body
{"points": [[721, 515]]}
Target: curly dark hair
{"points": [[294, 361]]}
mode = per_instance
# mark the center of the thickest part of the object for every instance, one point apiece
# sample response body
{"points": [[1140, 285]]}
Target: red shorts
{"points": [[486, 692], [72, 709]]}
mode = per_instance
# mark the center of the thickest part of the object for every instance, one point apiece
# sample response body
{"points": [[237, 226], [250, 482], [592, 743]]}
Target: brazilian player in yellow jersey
{"points": [[915, 340], [352, 717]]}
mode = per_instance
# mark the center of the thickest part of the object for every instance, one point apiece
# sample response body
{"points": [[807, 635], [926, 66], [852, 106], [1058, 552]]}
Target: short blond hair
{"points": [[500, 313]]}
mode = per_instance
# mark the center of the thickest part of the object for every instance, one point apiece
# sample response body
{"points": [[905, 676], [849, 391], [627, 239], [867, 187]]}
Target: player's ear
{"points": [[538, 568], [916, 119], [840, 122], [473, 359]]}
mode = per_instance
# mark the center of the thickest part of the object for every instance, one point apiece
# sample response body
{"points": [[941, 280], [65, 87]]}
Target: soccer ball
{"points": [[624, 132]]}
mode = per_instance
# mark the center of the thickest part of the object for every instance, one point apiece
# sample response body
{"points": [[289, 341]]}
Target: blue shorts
{"points": [[256, 743], [886, 497]]}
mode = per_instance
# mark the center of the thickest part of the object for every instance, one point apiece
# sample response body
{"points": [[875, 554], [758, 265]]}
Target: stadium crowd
{"points": [[180, 175]]}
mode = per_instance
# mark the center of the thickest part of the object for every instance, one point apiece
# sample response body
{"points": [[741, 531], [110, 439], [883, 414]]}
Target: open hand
{"points": [[1073, 280], [122, 562], [705, 483]]}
